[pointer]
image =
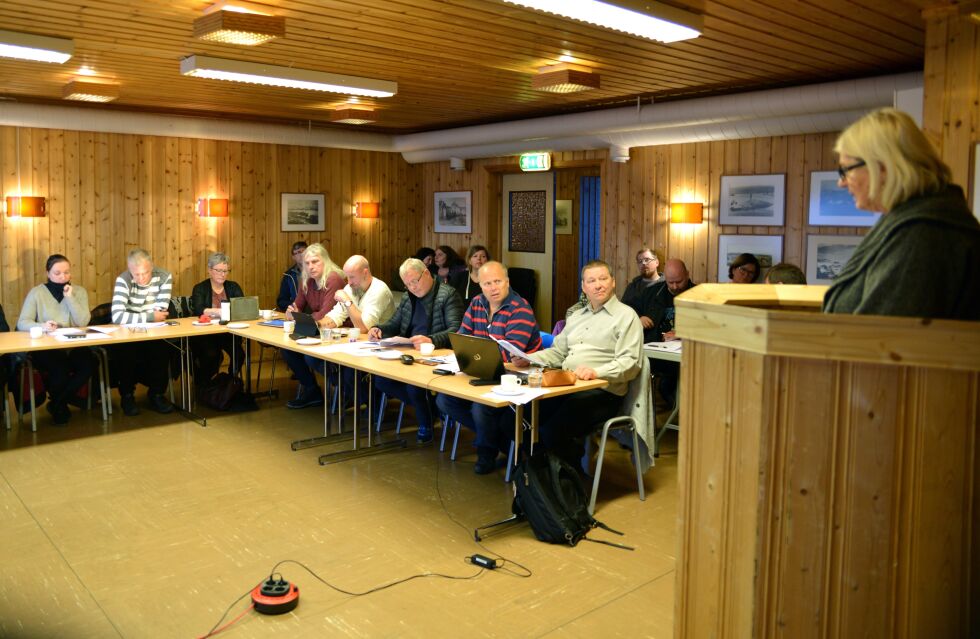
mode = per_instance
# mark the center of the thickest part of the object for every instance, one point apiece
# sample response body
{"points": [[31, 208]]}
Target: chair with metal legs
{"points": [[381, 414], [623, 422]]}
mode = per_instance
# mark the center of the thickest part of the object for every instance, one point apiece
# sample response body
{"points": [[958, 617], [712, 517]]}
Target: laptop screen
{"points": [[478, 357]]}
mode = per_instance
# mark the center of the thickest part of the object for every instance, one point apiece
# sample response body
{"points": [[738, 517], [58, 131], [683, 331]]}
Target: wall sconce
{"points": [[24, 206], [686, 212], [366, 210], [212, 207]]}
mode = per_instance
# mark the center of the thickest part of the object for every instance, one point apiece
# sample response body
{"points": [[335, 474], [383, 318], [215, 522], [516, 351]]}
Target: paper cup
{"points": [[37, 332], [288, 326]]}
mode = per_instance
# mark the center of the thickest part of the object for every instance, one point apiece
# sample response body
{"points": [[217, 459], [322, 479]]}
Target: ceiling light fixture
{"points": [[353, 116], [238, 23], [643, 18], [201, 66], [562, 78], [90, 91], [27, 46]]}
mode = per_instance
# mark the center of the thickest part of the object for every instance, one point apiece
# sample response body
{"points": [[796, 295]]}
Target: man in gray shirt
{"points": [[602, 340]]}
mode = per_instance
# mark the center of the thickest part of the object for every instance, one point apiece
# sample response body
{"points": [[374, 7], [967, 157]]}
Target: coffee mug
{"points": [[427, 348], [510, 381], [353, 334], [266, 314], [288, 326], [37, 332]]}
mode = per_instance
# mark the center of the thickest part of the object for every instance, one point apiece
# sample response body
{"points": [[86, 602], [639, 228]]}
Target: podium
{"points": [[828, 469]]}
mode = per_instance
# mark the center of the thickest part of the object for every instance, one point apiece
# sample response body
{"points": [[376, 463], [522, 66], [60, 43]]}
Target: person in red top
{"points": [[319, 282], [501, 313]]}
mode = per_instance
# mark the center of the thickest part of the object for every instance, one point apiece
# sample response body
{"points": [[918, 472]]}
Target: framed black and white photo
{"points": [[756, 200], [303, 212], [827, 255], [768, 249], [563, 217], [453, 211], [831, 205]]}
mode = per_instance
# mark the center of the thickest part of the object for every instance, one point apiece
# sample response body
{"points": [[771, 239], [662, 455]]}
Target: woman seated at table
{"points": [[447, 264], [319, 282], [467, 283], [59, 304], [206, 299], [744, 269]]}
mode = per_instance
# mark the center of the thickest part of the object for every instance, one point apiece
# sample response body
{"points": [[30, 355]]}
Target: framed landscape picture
{"points": [[303, 212], [831, 205], [827, 255], [768, 249], [453, 211], [563, 217], [755, 200]]}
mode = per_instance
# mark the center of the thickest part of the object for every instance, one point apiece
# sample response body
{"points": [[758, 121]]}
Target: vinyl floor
{"points": [[154, 526]]}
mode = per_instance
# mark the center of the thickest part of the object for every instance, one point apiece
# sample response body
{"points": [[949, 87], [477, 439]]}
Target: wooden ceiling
{"points": [[457, 62]]}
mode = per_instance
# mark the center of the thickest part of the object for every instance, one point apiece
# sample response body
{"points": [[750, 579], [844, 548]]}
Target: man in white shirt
{"points": [[366, 300], [602, 340]]}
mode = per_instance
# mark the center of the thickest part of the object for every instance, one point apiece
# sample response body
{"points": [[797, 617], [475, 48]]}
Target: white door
{"points": [[540, 262]]}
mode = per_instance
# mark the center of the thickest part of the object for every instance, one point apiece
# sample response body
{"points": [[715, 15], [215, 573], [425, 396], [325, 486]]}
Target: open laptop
{"points": [[306, 326], [478, 357]]}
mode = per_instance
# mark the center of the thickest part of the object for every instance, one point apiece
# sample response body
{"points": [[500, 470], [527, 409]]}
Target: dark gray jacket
{"points": [[445, 311], [921, 259]]}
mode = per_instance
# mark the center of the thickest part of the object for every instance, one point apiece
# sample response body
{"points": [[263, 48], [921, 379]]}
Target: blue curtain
{"points": [[589, 226]]}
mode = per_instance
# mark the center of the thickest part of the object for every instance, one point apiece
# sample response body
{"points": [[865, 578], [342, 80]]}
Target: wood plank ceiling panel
{"points": [[457, 62]]}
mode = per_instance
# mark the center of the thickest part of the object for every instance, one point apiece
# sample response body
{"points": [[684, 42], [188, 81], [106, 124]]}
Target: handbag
{"points": [[557, 377]]}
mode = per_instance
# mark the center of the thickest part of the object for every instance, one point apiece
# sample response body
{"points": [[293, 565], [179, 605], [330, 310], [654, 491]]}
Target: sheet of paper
{"points": [[104, 329], [147, 325], [396, 341], [510, 348], [67, 331], [449, 364], [523, 398], [673, 346]]}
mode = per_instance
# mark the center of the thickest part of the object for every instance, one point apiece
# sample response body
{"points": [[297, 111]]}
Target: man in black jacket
{"points": [[658, 305], [289, 284], [428, 312]]}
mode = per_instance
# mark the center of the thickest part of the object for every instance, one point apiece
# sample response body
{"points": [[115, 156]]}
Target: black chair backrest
{"points": [[523, 280], [180, 306], [101, 314]]}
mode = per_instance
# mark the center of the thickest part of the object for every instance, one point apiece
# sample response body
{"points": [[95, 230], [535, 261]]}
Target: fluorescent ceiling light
{"points": [[646, 19], [90, 91], [201, 66], [26, 46]]}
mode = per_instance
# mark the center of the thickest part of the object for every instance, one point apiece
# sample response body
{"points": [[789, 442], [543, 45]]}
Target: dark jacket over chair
{"points": [[445, 311], [921, 259], [201, 295], [288, 287]]}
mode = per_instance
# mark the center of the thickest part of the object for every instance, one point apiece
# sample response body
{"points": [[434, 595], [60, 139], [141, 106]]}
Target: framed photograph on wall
{"points": [[756, 200], [831, 205], [827, 255], [303, 212], [768, 249], [453, 211], [563, 217]]}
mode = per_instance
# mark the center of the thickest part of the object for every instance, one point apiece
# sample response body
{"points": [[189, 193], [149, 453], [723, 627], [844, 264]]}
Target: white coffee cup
{"points": [[510, 381], [288, 326], [427, 348], [266, 314], [37, 332], [353, 334]]}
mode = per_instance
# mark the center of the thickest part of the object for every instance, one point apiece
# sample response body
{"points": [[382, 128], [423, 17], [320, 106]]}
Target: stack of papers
{"points": [[673, 346]]}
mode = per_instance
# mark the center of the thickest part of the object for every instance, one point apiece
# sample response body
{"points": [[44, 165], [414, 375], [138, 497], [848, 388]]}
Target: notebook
{"points": [[478, 357]]}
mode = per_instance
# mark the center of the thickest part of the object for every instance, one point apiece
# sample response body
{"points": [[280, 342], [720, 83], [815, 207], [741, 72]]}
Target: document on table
{"points": [[449, 363], [388, 342], [673, 346], [112, 328], [146, 325], [510, 348]]}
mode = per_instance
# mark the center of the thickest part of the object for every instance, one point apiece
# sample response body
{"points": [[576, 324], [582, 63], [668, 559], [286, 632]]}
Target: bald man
{"points": [[366, 300], [658, 304]]}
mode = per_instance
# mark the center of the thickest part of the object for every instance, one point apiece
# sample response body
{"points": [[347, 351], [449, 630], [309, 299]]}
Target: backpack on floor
{"points": [[551, 497], [226, 392]]}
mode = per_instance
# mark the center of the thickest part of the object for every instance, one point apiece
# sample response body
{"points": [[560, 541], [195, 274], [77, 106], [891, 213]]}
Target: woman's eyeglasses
{"points": [[842, 171]]}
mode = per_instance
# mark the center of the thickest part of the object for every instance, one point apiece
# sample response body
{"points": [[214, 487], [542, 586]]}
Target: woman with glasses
{"points": [[206, 299], [289, 284], [58, 303], [744, 269], [922, 257], [467, 283]]}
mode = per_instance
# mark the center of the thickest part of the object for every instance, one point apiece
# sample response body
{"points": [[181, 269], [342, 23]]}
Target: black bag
{"points": [[551, 497], [226, 392]]}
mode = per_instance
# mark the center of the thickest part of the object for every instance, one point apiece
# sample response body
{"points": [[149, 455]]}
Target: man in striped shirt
{"points": [[501, 313], [142, 294]]}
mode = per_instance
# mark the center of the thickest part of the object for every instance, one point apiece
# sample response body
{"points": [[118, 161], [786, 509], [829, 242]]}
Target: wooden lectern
{"points": [[829, 482]]}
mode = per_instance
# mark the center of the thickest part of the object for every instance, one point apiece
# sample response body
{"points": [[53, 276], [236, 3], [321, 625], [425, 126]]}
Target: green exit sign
{"points": [[535, 161]]}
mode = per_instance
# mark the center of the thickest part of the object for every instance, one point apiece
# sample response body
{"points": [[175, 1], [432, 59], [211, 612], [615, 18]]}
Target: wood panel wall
{"points": [[108, 193], [951, 110]]}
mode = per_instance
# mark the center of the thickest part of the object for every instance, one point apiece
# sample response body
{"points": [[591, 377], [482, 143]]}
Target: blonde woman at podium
{"points": [[922, 258]]}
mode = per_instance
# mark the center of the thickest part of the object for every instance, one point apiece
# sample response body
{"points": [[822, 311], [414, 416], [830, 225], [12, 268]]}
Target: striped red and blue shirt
{"points": [[514, 322]]}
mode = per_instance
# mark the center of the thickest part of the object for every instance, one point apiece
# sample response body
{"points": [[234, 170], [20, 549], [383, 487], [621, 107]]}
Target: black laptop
{"points": [[478, 357], [306, 326]]}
